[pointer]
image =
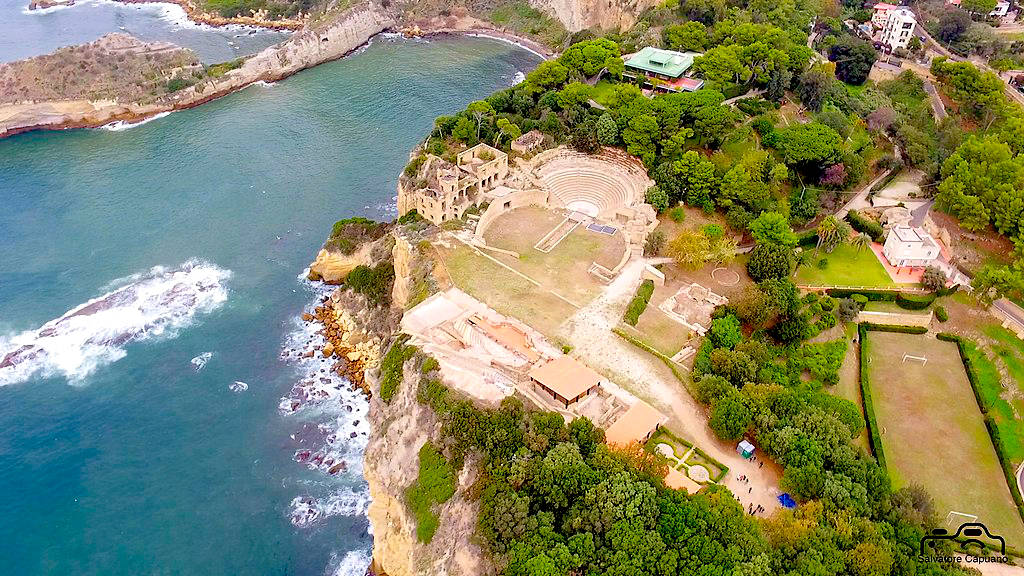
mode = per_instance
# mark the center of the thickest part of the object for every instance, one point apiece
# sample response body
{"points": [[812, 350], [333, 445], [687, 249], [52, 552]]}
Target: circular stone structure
{"points": [[698, 473], [725, 277], [600, 186]]}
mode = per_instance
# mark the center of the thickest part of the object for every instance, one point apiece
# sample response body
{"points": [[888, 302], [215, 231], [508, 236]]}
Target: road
{"points": [[1009, 90], [859, 199]]}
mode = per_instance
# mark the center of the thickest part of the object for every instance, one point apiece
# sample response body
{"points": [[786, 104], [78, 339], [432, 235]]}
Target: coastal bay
{"points": [[147, 462]]}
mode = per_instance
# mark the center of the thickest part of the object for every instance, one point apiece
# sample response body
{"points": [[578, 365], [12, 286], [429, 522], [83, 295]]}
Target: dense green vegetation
{"points": [[375, 283], [392, 367], [434, 486], [350, 233], [639, 302]]}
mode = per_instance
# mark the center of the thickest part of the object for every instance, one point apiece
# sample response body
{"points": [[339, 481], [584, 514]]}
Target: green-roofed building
{"points": [[667, 65]]}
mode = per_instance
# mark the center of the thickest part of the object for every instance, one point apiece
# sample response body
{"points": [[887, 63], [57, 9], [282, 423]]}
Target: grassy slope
{"points": [[846, 267]]}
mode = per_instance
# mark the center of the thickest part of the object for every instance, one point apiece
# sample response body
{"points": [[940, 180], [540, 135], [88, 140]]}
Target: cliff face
{"points": [[391, 463], [578, 15]]}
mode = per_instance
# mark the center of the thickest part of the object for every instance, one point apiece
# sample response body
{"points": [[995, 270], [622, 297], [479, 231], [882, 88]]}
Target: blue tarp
{"points": [[786, 500]]}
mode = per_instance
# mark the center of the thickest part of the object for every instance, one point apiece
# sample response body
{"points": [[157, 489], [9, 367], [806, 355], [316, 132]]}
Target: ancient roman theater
{"points": [[600, 193]]}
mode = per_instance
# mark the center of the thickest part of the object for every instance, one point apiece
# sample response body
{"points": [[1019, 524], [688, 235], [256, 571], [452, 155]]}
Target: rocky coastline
{"points": [[44, 4], [258, 18]]}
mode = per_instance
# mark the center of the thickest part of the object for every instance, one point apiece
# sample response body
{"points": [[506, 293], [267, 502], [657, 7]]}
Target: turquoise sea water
{"points": [[121, 457]]}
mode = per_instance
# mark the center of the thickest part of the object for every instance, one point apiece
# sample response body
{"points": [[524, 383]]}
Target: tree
{"points": [[810, 145], [953, 24], [831, 233], [641, 137], [697, 178], [712, 123], [730, 417], [853, 58], [834, 176], [687, 36], [860, 241], [725, 332], [814, 85], [654, 243], [589, 57], [657, 198], [978, 6], [607, 130], [772, 228], [982, 182], [479, 110], [506, 129], [847, 310], [769, 261], [574, 94], [933, 279], [690, 249]]}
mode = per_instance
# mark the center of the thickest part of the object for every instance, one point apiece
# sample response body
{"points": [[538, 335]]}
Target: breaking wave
{"points": [[122, 125], [154, 304], [354, 563]]}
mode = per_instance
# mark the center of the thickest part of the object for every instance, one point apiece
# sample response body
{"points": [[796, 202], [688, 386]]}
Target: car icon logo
{"points": [[972, 532]]}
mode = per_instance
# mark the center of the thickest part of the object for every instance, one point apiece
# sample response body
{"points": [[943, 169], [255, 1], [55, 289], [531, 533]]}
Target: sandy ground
{"points": [[647, 377]]}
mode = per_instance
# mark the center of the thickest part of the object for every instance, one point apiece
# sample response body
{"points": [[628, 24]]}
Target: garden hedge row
{"points": [[905, 300], [639, 302], [893, 328], [865, 391], [866, 225], [993, 431]]}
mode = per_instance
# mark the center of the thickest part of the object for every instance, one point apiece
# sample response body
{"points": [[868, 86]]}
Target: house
{"points": [[899, 28], [906, 246], [566, 380], [451, 189], [635, 425], [1002, 9], [528, 142], [664, 69], [880, 14]]}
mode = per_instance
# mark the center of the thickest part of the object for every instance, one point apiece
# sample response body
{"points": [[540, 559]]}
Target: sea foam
{"points": [[122, 125], [156, 304]]}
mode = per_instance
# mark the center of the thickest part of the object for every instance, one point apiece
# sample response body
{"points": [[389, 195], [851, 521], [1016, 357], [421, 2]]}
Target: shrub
{"points": [[639, 302], [657, 198], [434, 485], [677, 214], [413, 167], [347, 234], [429, 365], [392, 367], [941, 314], [374, 283], [655, 243], [933, 279], [823, 263], [862, 223], [860, 299], [828, 303], [848, 309]]}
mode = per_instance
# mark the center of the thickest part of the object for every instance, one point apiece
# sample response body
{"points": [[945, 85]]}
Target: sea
{"points": [[152, 280]]}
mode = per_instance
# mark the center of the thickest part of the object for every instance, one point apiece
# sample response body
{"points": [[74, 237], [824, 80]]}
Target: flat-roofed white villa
{"points": [[907, 246], [667, 66]]}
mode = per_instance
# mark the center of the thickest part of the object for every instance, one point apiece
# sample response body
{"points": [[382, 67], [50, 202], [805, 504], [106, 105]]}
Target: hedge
{"points": [[914, 301], [941, 314], [639, 303], [894, 328], [865, 225], [905, 300], [993, 430], [865, 391], [686, 382]]}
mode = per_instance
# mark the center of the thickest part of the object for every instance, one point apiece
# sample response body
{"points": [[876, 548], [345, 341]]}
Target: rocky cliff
{"points": [[578, 15], [391, 464], [327, 39]]}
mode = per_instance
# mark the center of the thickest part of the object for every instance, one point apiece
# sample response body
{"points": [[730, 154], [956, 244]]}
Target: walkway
{"points": [[859, 200], [644, 375]]}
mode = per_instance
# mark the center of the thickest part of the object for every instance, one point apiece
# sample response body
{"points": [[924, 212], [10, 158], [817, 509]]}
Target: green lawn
{"points": [[845, 266], [1006, 406], [945, 445], [848, 386]]}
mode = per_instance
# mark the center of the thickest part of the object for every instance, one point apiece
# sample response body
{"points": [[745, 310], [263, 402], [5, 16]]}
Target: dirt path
{"points": [[647, 377]]}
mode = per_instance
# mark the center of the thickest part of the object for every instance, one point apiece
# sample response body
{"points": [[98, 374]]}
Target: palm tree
{"points": [[831, 232], [861, 241]]}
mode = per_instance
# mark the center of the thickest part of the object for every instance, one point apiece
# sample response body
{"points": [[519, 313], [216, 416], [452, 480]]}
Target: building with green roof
{"points": [[666, 65]]}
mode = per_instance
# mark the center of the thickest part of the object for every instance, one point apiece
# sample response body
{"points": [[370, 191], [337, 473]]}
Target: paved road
{"points": [[1010, 309], [860, 198]]}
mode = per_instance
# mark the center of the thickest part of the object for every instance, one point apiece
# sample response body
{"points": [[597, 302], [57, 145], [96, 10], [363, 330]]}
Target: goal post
{"points": [[922, 359], [959, 518]]}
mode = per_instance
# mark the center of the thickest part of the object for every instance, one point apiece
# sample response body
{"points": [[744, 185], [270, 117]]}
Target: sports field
{"points": [[933, 433]]}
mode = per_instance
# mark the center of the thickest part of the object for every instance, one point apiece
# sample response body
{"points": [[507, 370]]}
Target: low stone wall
{"points": [[499, 206]]}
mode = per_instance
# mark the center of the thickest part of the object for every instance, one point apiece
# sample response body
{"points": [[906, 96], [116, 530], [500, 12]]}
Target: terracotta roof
{"points": [[567, 377], [635, 425]]}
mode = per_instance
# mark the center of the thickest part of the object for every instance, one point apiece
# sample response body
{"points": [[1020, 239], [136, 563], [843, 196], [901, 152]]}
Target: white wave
{"points": [[354, 563], [154, 305], [518, 78], [49, 10], [509, 41], [199, 362], [264, 84], [238, 386], [306, 510], [121, 125]]}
